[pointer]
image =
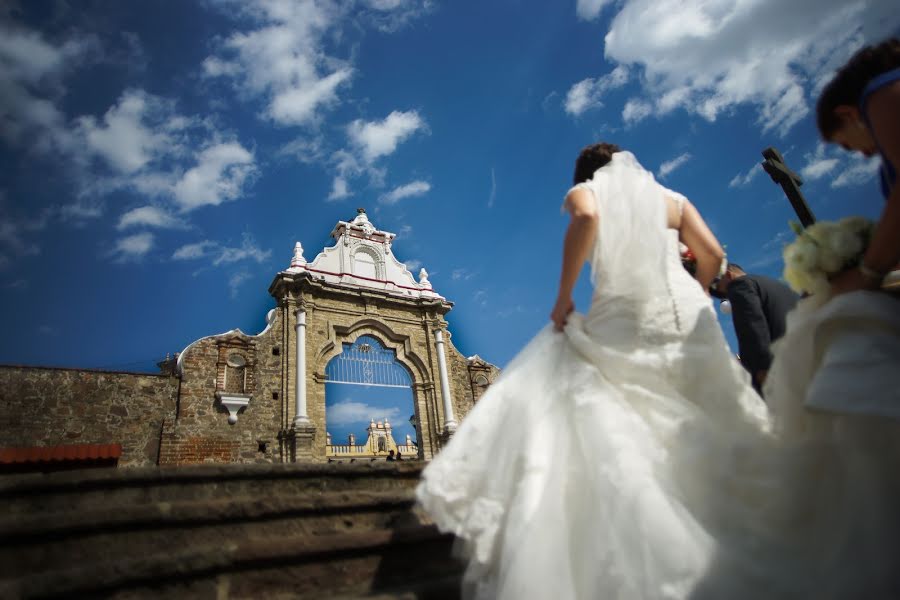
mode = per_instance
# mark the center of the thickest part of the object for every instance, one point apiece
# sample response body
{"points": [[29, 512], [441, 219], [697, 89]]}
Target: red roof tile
{"points": [[71, 452]]}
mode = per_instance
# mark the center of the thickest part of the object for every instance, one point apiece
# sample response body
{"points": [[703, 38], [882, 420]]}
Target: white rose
{"points": [[820, 231], [830, 261], [845, 243], [802, 254], [858, 225], [796, 279]]}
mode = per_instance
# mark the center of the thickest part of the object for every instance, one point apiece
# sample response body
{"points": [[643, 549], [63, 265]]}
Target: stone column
{"points": [[449, 420], [301, 418], [303, 433]]}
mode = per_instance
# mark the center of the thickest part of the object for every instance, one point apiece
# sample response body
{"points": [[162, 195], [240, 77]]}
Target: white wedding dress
{"points": [[629, 457]]}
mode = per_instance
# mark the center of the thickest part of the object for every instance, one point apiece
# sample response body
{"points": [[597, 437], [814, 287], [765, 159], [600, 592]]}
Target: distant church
{"points": [[354, 314]]}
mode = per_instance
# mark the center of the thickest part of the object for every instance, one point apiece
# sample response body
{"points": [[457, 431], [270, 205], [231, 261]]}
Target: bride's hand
{"points": [[560, 313]]}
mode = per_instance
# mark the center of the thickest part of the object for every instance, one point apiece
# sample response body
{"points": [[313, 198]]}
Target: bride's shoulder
{"points": [[580, 197]]}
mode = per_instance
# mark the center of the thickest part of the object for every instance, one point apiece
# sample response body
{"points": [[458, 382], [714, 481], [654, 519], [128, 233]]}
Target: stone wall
{"points": [[49, 407], [463, 388], [200, 431]]}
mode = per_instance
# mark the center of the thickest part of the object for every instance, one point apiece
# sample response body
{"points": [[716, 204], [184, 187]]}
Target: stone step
{"points": [[395, 561], [84, 490], [447, 588], [35, 543]]}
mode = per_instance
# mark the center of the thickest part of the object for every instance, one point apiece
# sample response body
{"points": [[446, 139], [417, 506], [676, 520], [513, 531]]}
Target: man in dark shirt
{"points": [[759, 305]]}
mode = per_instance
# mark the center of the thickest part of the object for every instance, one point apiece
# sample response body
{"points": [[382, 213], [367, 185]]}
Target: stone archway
{"points": [[401, 346], [368, 400]]}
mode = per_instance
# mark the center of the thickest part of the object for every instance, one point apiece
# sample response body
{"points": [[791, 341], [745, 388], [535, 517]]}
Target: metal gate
{"points": [[367, 362]]}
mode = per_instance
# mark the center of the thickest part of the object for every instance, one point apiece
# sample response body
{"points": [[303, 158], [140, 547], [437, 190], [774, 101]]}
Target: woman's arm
{"points": [[696, 235], [580, 238], [883, 253]]}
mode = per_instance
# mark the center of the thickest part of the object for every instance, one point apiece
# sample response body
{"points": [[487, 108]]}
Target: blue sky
{"points": [[158, 160]]}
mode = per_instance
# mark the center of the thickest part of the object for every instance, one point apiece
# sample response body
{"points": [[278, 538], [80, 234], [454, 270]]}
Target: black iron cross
{"points": [[790, 182]]}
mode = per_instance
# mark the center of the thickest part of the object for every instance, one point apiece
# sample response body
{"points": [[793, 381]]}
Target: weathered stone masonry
{"points": [[49, 407]]}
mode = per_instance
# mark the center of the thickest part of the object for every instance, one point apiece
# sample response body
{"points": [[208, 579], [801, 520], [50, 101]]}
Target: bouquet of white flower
{"points": [[823, 250]]}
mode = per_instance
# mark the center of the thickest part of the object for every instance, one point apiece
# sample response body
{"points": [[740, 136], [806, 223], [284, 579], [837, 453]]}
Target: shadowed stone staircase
{"points": [[213, 531]]}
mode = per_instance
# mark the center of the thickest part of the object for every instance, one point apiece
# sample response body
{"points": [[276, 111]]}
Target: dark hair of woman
{"points": [[592, 158], [848, 84]]}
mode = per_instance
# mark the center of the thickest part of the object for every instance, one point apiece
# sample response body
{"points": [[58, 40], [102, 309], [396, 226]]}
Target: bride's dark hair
{"points": [[592, 158]]}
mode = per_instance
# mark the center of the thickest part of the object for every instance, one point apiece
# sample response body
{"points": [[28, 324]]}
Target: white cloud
{"points": [[670, 165], [852, 169], [385, 5], [859, 171], [588, 10], [195, 250], [31, 70], [247, 250], [709, 57], [224, 255], [80, 211], [149, 216], [305, 150], [587, 93], [636, 110], [415, 188], [493, 195], [817, 164], [283, 59], [413, 265], [369, 142], [131, 133], [339, 189], [391, 15], [348, 412], [461, 275], [133, 247], [298, 105], [375, 139], [741, 180], [219, 176], [818, 168], [11, 238], [236, 280]]}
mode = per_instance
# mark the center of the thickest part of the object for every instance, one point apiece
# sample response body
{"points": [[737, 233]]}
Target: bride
{"points": [[623, 454]]}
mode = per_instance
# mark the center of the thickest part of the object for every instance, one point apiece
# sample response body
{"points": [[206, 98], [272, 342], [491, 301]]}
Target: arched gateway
{"points": [[246, 398]]}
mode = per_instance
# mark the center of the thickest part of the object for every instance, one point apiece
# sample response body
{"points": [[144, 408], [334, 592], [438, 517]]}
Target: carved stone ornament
{"points": [[298, 263], [423, 279], [233, 403]]}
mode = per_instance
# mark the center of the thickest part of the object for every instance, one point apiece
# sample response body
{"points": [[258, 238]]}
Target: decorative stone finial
{"points": [[423, 279], [298, 263], [362, 222]]}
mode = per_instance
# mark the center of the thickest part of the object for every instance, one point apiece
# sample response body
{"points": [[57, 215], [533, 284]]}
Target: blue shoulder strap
{"points": [[875, 84], [888, 174]]}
